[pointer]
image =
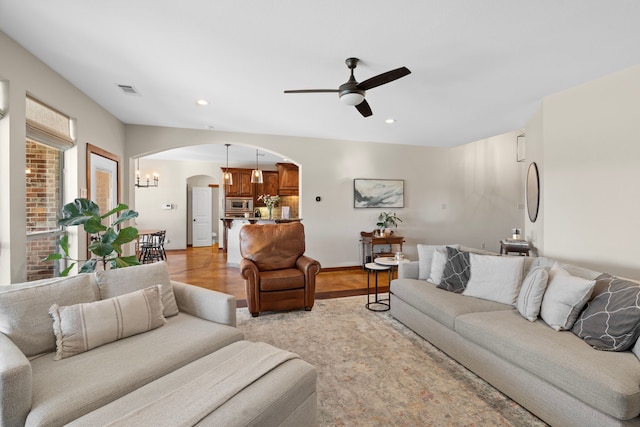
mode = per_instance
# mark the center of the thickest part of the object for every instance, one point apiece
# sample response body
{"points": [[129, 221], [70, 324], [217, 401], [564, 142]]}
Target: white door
{"points": [[201, 211]]}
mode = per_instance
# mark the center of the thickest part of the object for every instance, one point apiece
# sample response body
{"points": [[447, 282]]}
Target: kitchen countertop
{"points": [[256, 219]]}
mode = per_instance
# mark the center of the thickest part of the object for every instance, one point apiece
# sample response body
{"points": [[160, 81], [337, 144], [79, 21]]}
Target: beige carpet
{"points": [[373, 371]]}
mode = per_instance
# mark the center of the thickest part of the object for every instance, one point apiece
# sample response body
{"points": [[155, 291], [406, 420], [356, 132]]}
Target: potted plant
{"points": [[106, 240], [385, 219]]}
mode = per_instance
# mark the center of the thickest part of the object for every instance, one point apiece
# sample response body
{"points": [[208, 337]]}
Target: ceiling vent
{"points": [[129, 90]]}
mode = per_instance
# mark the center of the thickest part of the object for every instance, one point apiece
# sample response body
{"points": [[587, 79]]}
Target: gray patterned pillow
{"points": [[611, 320], [457, 271]]}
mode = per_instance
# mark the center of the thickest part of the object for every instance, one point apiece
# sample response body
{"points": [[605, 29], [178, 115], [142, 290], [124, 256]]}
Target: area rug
{"points": [[374, 371]]}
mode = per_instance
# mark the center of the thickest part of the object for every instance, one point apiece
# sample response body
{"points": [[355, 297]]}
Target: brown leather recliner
{"points": [[277, 274]]}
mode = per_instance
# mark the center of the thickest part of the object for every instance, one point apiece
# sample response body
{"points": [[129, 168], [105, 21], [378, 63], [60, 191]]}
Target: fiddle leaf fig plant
{"points": [[106, 239]]}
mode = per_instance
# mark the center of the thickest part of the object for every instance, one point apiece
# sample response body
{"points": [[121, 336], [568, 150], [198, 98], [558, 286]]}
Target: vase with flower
{"points": [[270, 202]]}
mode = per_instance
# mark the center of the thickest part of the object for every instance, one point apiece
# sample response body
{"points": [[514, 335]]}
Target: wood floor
{"points": [[207, 267]]}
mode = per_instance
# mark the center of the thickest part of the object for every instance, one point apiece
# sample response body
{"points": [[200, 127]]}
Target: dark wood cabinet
{"points": [[288, 179], [270, 185], [242, 186]]}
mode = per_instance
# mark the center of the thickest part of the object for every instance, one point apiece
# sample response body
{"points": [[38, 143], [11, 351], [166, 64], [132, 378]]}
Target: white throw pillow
{"points": [[636, 349], [120, 281], [495, 278], [82, 327], [425, 258], [23, 310], [531, 293], [566, 295], [438, 262]]}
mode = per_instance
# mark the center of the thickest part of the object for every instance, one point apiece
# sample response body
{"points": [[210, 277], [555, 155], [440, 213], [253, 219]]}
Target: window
{"points": [[48, 135]]}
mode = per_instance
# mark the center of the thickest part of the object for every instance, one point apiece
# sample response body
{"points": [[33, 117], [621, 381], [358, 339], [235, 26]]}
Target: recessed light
{"points": [[390, 121], [202, 102]]}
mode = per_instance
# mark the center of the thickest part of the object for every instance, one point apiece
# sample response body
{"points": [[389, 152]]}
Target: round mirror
{"points": [[533, 192]]}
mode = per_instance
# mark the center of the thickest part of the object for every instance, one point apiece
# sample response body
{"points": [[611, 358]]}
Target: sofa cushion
{"points": [[440, 305], [265, 402], [425, 258], [611, 320], [438, 261], [281, 280], [531, 293], [565, 296], [476, 250], [607, 381], [120, 281], [24, 310], [82, 327], [456, 271], [495, 278], [69, 388]]}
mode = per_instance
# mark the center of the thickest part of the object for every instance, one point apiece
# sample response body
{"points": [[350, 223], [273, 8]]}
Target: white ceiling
{"points": [[479, 67], [239, 155]]}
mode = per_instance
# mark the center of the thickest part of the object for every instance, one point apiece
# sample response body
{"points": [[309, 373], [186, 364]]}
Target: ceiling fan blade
{"points": [[383, 78], [364, 108], [311, 91]]}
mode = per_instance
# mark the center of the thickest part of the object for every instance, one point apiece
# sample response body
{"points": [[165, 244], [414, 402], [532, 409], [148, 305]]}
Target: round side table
{"points": [[377, 304]]}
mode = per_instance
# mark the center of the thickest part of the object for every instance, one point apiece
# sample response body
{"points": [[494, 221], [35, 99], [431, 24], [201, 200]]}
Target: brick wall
{"points": [[43, 206]]}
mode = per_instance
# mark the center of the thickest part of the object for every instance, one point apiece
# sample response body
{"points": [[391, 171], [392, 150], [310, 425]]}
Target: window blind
{"points": [[48, 126]]}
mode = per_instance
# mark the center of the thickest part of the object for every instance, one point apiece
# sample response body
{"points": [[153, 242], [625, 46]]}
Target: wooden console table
{"points": [[520, 247], [371, 240]]}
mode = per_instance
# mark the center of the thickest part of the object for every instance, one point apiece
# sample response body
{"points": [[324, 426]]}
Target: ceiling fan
{"points": [[352, 92]]}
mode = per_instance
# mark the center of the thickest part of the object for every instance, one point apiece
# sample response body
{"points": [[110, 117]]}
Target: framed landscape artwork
{"points": [[378, 193]]}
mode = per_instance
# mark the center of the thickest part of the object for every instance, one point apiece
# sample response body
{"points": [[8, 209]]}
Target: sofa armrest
{"points": [[15, 384], [408, 270], [205, 303]]}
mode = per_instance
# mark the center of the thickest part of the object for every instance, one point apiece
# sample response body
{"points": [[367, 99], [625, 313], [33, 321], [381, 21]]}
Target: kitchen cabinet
{"points": [[242, 186], [269, 186], [287, 179]]}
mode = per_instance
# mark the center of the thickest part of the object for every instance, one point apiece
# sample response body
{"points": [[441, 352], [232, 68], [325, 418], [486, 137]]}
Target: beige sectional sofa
{"points": [[554, 374], [193, 368]]}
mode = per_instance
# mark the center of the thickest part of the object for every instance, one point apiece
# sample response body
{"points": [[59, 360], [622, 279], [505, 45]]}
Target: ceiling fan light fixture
{"points": [[352, 98]]}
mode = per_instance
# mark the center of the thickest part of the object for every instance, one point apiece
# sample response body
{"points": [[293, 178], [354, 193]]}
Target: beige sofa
{"points": [[555, 375], [196, 367]]}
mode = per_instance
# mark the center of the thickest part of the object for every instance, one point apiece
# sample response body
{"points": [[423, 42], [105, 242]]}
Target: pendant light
{"points": [[256, 174], [227, 178]]}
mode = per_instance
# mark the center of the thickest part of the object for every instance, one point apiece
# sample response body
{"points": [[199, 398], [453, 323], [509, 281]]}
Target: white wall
{"points": [[534, 232], [172, 189], [480, 183], [590, 141], [22, 73]]}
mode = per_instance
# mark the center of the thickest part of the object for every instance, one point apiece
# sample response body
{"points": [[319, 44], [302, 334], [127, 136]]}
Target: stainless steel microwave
{"points": [[239, 204]]}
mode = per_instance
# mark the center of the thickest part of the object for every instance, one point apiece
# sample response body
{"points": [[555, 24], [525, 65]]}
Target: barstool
{"points": [[378, 304]]}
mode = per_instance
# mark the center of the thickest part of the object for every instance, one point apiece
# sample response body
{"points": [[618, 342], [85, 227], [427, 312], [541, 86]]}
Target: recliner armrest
{"points": [[205, 303], [15, 384], [309, 266], [251, 275]]}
